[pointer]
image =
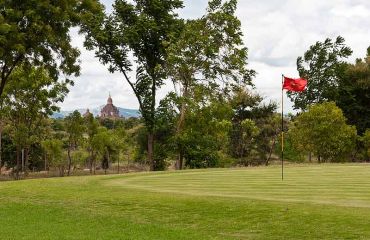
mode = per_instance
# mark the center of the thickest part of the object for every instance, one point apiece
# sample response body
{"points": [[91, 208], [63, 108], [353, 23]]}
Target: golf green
{"points": [[328, 201]]}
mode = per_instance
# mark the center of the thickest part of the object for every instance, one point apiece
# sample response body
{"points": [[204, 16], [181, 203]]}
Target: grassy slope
{"points": [[314, 202]]}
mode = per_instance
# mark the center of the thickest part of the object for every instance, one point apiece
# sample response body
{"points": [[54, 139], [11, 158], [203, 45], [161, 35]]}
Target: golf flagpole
{"points": [[293, 85], [282, 127]]}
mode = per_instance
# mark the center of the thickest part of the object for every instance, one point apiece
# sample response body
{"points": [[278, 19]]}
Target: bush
{"points": [[323, 131]]}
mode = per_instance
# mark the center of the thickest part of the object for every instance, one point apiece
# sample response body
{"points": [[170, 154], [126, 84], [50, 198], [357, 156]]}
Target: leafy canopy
{"points": [[354, 93], [321, 65], [323, 131], [36, 32]]}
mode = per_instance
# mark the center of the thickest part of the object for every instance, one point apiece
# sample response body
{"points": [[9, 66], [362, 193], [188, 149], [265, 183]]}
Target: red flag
{"points": [[295, 84]]}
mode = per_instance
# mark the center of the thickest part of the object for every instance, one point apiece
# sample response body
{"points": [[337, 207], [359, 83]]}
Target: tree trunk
{"points": [[18, 163], [180, 126], [310, 157], [319, 159], [90, 161], [108, 155], [181, 159], [22, 151], [118, 164], [150, 150], [45, 162], [26, 158], [61, 171], [270, 153], [1, 135], [69, 161], [94, 168]]}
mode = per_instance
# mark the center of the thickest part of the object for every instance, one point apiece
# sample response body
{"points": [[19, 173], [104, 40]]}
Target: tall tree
{"points": [[3, 111], [354, 93], [107, 145], [74, 125], [143, 28], [37, 32], [209, 52], [205, 136], [322, 65], [92, 126], [31, 97], [253, 127]]}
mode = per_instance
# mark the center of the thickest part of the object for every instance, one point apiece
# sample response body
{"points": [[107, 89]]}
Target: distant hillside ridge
{"points": [[123, 112]]}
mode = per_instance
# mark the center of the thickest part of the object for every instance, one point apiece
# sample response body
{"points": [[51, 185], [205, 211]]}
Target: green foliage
{"points": [[79, 157], [270, 128], [291, 153], [354, 93], [210, 50], [254, 128], [8, 150], [143, 28], [107, 122], [54, 153], [323, 131], [211, 119], [92, 127], [366, 142], [208, 57], [36, 32], [248, 133], [102, 140], [322, 65], [32, 91], [108, 144], [205, 134], [30, 97], [75, 127]]}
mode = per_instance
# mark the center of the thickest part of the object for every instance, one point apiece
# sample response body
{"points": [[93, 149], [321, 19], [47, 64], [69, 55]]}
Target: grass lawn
{"points": [[313, 202]]}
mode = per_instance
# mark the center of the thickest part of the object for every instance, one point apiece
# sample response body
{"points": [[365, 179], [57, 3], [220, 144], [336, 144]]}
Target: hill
{"points": [[314, 202], [123, 112]]}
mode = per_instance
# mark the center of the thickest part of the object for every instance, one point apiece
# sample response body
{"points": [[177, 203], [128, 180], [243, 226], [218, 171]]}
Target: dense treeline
{"points": [[212, 118]]}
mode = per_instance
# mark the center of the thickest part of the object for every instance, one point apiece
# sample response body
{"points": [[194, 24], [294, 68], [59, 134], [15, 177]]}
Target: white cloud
{"points": [[358, 11], [276, 33]]}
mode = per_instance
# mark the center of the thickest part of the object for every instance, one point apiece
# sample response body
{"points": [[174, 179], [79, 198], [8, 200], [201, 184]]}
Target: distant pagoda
{"points": [[87, 113], [109, 110]]}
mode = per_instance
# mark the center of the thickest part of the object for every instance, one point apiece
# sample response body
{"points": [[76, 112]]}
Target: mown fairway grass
{"points": [[313, 202]]}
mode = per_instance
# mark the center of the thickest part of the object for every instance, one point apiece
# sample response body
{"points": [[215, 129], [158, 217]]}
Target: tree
{"points": [[322, 65], [291, 152], [80, 157], [254, 129], [121, 146], [209, 52], [74, 126], [92, 126], [366, 142], [249, 132], [30, 98], [54, 152], [36, 32], [145, 29], [354, 93], [323, 131], [3, 110], [107, 145], [205, 136], [270, 129]]}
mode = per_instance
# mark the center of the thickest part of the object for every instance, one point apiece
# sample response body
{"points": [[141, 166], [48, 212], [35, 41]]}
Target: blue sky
{"points": [[276, 32]]}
